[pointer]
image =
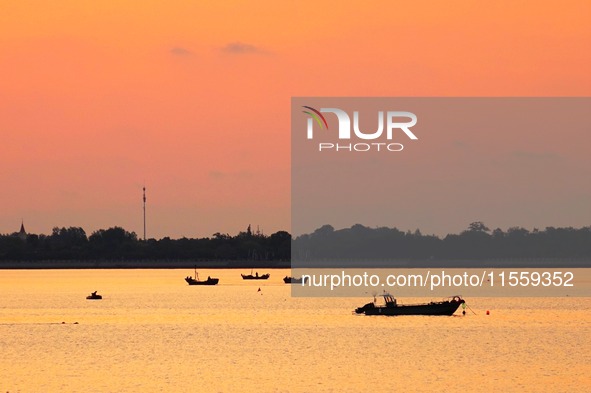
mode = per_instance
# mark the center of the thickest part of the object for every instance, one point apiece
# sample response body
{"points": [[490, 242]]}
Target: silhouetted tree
{"points": [[478, 226]]}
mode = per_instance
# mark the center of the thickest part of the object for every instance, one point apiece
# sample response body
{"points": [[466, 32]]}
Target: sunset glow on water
{"points": [[152, 332]]}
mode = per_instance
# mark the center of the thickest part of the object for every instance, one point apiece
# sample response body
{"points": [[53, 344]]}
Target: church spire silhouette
{"points": [[22, 234]]}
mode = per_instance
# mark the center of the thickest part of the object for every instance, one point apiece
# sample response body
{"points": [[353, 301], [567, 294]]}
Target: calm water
{"points": [[154, 333]]}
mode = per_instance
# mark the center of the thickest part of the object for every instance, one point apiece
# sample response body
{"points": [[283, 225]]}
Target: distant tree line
{"points": [[118, 244], [477, 242], [359, 242]]}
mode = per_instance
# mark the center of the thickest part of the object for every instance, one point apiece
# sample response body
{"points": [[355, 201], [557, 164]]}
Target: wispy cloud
{"points": [[218, 175], [458, 144], [537, 155], [240, 48], [179, 51]]}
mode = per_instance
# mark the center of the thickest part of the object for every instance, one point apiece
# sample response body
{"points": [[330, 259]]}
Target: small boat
{"points": [[195, 281], [94, 296], [294, 280], [255, 277], [391, 307]]}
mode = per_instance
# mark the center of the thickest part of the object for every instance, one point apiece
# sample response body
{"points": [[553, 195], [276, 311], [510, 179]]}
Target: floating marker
{"points": [[487, 312]]}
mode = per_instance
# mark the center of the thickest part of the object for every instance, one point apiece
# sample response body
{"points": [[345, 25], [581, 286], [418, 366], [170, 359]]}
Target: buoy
{"points": [[259, 290], [487, 312]]}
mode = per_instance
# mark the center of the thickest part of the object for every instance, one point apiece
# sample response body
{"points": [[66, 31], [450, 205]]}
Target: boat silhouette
{"points": [[255, 277], [94, 296], [195, 281], [391, 307], [295, 280]]}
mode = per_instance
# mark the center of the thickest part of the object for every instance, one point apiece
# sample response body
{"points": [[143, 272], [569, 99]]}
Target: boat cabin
{"points": [[389, 300]]}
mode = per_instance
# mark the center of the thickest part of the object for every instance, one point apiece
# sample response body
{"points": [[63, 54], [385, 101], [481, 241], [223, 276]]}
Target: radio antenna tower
{"points": [[144, 213]]}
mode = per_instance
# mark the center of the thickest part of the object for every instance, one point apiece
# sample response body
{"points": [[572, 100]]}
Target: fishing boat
{"points": [[391, 307], [94, 296], [195, 281], [295, 280], [255, 277]]}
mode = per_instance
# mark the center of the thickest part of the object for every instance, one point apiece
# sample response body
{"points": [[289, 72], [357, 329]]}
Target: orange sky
{"points": [[194, 99]]}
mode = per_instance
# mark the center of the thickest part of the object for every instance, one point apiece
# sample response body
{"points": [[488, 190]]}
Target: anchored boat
{"points": [[255, 277], [294, 280], [391, 307], [195, 281], [94, 296]]}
